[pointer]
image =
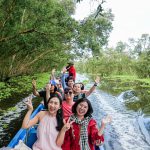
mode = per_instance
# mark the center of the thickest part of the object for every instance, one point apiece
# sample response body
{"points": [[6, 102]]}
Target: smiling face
{"points": [[82, 109], [70, 83], [77, 88], [53, 106], [69, 94]]}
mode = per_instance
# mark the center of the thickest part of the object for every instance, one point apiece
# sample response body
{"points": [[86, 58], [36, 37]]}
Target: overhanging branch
{"points": [[13, 37], [26, 32]]}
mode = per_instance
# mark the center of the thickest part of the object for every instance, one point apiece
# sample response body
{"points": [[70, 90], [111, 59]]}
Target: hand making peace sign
{"points": [[67, 124], [29, 103]]}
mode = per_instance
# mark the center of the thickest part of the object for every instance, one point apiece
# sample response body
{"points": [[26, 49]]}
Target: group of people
{"points": [[66, 122]]}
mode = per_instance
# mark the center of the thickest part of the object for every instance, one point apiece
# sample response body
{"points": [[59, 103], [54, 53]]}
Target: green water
{"points": [[141, 89]]}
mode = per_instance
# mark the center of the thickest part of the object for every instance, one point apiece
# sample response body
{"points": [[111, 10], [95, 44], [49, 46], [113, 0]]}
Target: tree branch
{"points": [[38, 57], [100, 9], [28, 31], [12, 37], [12, 6]]}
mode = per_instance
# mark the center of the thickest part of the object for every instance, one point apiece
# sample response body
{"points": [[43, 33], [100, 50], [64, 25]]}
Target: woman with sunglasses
{"points": [[80, 131], [67, 103]]}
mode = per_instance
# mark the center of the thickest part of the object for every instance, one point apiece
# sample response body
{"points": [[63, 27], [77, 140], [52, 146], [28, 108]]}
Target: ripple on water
{"points": [[122, 134], [11, 122]]}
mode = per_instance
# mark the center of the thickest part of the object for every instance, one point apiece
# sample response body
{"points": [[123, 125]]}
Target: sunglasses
{"points": [[70, 92]]}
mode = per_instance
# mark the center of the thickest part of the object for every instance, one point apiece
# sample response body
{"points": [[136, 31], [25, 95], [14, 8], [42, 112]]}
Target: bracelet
{"points": [[95, 84]]}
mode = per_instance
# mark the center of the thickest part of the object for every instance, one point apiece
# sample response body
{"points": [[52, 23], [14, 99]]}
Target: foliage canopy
{"points": [[36, 36]]}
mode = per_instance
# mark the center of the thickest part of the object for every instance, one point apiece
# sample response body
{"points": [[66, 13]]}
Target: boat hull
{"points": [[28, 136], [22, 133]]}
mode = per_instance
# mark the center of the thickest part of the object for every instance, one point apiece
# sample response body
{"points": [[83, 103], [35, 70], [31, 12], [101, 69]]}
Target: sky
{"points": [[132, 17]]}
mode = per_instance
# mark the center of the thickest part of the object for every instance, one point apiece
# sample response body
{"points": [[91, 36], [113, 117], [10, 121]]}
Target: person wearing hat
{"points": [[71, 70]]}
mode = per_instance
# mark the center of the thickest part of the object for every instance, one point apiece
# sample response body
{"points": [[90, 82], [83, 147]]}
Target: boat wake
{"points": [[144, 124], [124, 132]]}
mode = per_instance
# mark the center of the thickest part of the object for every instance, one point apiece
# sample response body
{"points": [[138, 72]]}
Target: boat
{"points": [[28, 136]]}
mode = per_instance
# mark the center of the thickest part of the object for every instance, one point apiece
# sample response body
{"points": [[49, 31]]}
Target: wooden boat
{"points": [[28, 136]]}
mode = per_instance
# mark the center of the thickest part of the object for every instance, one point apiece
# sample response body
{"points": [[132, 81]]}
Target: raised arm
{"points": [[35, 92], [61, 135], [93, 87], [105, 121], [52, 75], [27, 123], [48, 87], [97, 134], [63, 78]]}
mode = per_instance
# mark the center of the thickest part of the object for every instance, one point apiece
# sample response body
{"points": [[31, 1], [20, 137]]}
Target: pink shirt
{"points": [[46, 134], [67, 110]]}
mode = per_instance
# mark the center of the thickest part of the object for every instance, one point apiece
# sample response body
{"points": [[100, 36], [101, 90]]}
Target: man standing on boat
{"points": [[71, 70]]}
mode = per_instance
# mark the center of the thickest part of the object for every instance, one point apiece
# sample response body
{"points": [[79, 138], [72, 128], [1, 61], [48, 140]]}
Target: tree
{"points": [[38, 35], [140, 45], [142, 65], [120, 47], [35, 35], [99, 8], [93, 33]]}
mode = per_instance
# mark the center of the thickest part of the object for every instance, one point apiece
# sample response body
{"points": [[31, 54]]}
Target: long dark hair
{"points": [[59, 115], [90, 109], [55, 88], [82, 86]]}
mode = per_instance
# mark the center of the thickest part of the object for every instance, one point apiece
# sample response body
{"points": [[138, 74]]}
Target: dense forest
{"points": [[37, 36], [130, 58]]}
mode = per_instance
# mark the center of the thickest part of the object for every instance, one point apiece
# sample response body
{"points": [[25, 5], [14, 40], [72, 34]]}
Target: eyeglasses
{"points": [[70, 92]]}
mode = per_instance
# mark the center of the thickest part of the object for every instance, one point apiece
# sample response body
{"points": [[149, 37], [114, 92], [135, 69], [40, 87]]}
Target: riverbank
{"points": [[12, 108], [135, 92], [139, 90], [21, 86], [124, 82]]}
